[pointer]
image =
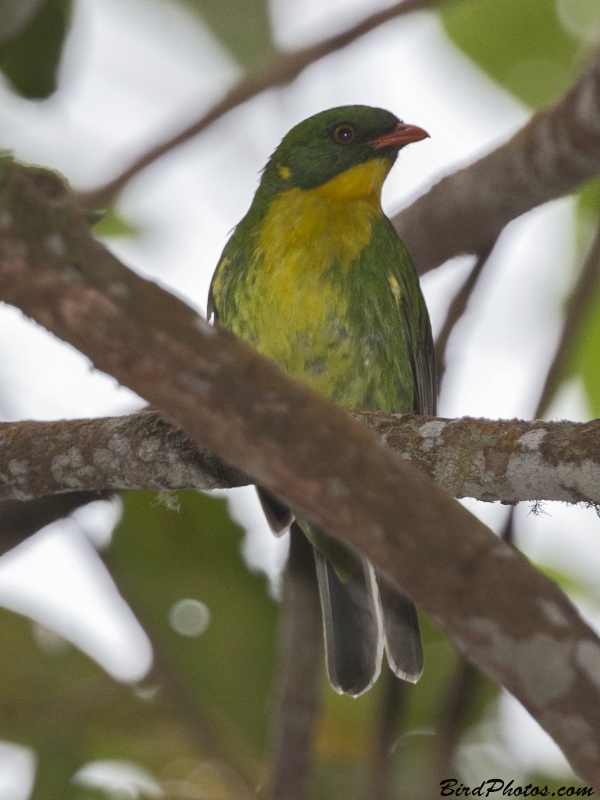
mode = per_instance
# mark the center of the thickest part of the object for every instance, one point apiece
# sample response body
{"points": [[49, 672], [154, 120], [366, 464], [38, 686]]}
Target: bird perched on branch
{"points": [[316, 278]]}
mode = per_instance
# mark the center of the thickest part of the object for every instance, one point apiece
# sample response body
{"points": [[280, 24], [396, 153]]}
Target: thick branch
{"points": [[494, 460], [557, 151], [510, 620], [284, 68]]}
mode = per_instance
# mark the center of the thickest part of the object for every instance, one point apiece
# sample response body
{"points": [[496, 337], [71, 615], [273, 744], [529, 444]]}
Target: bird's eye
{"points": [[343, 134]]}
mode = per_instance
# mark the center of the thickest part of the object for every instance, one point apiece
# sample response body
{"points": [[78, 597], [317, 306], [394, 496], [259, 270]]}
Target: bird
{"points": [[316, 278]]}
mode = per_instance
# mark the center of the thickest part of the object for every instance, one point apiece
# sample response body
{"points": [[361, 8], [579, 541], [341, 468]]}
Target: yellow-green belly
{"points": [[303, 293]]}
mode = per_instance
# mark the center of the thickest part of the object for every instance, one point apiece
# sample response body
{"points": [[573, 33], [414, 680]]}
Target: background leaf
{"points": [[161, 556], [243, 26], [31, 59], [522, 45]]}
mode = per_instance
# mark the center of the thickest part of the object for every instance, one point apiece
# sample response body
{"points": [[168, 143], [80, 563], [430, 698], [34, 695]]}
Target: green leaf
{"points": [[522, 45], [31, 59], [206, 698], [583, 358], [111, 225], [160, 557], [243, 26]]}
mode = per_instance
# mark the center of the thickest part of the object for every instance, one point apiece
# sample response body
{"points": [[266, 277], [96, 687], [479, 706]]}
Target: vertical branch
{"points": [[455, 707], [298, 687], [388, 722]]}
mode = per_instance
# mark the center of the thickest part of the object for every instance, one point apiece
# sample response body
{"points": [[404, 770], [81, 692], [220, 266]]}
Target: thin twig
{"points": [[581, 297], [20, 519], [283, 69], [300, 661], [454, 709], [456, 310]]}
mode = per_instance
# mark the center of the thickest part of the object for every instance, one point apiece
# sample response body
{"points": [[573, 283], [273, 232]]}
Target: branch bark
{"points": [[509, 461], [508, 618], [557, 151]]}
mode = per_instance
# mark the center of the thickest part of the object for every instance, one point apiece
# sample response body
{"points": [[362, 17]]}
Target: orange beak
{"points": [[401, 135]]}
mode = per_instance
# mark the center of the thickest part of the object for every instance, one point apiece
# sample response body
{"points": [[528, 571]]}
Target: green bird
{"points": [[316, 278]]}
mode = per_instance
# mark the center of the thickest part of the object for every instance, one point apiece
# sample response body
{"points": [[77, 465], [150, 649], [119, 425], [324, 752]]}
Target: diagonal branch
{"points": [[508, 618], [556, 152], [463, 686], [283, 69], [583, 294], [19, 520], [457, 308]]}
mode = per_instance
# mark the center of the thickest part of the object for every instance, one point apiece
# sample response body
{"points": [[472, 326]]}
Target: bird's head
{"points": [[334, 142]]}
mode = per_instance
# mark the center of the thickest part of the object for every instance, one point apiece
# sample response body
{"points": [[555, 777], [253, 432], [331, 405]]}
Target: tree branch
{"points": [[297, 696], [19, 520], [508, 618], [582, 295], [557, 151], [509, 461], [456, 311], [283, 69]]}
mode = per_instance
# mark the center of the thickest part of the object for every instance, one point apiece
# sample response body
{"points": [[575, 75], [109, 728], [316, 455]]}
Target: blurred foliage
{"points": [[111, 225], [522, 45], [31, 58], [582, 360], [242, 26], [588, 211], [160, 556], [198, 721], [202, 711]]}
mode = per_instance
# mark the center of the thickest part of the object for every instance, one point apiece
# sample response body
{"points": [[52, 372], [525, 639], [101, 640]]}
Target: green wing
{"points": [[418, 337]]}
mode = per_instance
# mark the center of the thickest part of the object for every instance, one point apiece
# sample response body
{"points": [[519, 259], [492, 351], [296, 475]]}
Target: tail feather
{"points": [[352, 627], [361, 613], [402, 634], [278, 515]]}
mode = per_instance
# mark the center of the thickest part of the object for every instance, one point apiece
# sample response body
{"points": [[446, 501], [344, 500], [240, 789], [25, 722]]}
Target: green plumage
{"points": [[316, 278]]}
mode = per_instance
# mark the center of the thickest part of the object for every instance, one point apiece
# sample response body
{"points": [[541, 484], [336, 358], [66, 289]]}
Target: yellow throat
{"points": [[331, 223]]}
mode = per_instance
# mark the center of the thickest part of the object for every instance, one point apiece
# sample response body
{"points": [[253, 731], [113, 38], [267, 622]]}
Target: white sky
{"points": [[135, 69]]}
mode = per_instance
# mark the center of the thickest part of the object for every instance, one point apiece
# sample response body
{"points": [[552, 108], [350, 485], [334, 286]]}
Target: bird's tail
{"points": [[362, 614], [352, 626], [403, 643]]}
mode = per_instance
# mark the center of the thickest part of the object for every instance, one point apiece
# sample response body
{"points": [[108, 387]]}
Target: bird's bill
{"points": [[401, 135]]}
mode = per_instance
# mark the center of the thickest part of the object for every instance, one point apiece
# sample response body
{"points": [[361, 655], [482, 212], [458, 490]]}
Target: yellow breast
{"points": [[293, 305], [318, 227]]}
